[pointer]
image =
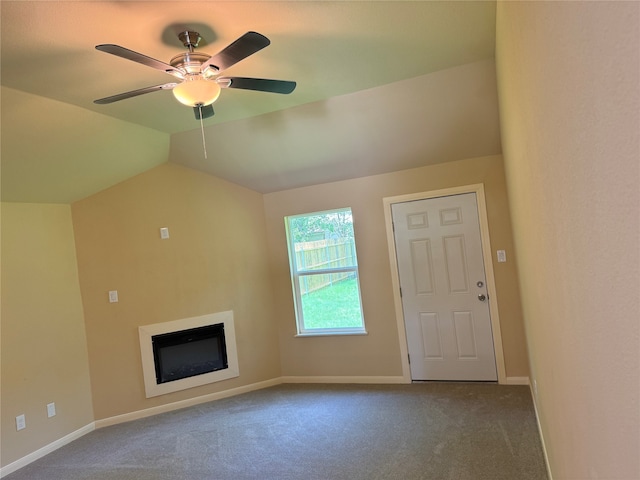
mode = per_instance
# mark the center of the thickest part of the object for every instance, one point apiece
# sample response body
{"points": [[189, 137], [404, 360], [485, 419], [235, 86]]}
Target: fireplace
{"points": [[187, 353]]}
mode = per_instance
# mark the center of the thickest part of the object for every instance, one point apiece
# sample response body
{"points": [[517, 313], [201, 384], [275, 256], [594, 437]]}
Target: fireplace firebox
{"points": [[187, 353]]}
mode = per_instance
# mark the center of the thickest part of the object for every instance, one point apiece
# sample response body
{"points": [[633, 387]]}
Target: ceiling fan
{"points": [[199, 73]]}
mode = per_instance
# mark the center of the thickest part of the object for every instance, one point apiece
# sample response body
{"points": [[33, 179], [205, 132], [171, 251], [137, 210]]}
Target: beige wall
{"points": [[44, 355], [214, 260], [568, 76], [378, 353]]}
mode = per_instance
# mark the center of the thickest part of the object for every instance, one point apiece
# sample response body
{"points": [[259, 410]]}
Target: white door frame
{"points": [[478, 189]]}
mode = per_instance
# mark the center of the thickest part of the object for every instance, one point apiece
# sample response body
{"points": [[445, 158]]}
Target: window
{"points": [[324, 273]]}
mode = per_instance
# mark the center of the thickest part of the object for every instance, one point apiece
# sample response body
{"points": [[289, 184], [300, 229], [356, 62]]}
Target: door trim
{"points": [[478, 189]]}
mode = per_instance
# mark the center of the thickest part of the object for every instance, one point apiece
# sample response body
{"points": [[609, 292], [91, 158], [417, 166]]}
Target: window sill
{"points": [[331, 333]]}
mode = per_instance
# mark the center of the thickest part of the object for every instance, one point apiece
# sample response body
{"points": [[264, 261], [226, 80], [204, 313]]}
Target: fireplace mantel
{"points": [[146, 332]]}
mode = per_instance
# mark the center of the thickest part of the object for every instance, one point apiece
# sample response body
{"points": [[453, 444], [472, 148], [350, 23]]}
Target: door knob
{"points": [[482, 297]]}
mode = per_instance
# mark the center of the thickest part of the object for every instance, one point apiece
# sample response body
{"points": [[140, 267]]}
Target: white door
{"points": [[443, 285]]}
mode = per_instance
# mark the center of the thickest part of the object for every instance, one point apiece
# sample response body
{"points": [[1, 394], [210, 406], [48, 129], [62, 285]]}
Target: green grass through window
{"points": [[333, 306]]}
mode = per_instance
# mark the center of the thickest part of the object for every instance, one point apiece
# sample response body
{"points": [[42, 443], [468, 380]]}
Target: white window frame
{"points": [[297, 273]]}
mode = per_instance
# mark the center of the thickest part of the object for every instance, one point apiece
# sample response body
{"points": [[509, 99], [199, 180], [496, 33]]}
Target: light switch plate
{"points": [[113, 296], [51, 409], [164, 233], [502, 256], [21, 422]]}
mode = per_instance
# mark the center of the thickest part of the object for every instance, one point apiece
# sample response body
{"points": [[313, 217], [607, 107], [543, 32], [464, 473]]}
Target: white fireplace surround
{"points": [[152, 388]]}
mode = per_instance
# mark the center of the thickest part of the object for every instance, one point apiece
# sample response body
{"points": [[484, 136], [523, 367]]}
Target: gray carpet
{"points": [[444, 431]]}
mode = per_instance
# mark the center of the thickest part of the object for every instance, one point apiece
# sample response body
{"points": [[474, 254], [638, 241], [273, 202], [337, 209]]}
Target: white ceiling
{"points": [[368, 100]]}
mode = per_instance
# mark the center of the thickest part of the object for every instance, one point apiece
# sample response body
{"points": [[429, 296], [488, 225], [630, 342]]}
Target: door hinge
{"points": [[409, 358]]}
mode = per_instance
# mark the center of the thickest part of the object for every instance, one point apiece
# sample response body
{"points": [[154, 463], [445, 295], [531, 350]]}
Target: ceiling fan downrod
{"points": [[190, 39]]}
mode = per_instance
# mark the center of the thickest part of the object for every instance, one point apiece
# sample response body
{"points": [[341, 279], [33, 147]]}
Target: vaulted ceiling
{"points": [[381, 86]]}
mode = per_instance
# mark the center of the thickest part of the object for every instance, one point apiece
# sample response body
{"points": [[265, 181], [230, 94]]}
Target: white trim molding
{"points": [[345, 379], [517, 381], [544, 445], [169, 407], [46, 450], [127, 417], [189, 402], [478, 189]]}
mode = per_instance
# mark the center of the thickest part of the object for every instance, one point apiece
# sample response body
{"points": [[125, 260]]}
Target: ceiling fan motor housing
{"points": [[191, 62]]}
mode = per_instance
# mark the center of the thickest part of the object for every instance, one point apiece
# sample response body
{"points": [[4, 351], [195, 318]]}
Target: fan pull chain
{"points": [[204, 144]]}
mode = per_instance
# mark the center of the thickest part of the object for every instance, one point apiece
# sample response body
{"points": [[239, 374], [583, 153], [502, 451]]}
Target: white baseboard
{"points": [[47, 449], [544, 445], [127, 417], [343, 379], [189, 402], [517, 381], [148, 412]]}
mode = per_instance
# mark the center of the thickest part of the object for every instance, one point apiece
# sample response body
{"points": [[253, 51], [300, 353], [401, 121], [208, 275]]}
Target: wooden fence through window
{"points": [[322, 254]]}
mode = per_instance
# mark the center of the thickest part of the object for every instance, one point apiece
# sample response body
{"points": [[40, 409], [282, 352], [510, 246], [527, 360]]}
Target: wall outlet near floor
{"points": [[51, 409], [21, 422]]}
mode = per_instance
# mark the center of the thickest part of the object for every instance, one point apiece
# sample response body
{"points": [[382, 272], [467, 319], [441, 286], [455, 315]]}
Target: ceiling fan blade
{"points": [[206, 111], [134, 93], [127, 54], [246, 45], [259, 84]]}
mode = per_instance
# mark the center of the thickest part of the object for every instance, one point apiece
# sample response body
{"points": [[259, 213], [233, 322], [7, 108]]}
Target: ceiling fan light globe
{"points": [[194, 91]]}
